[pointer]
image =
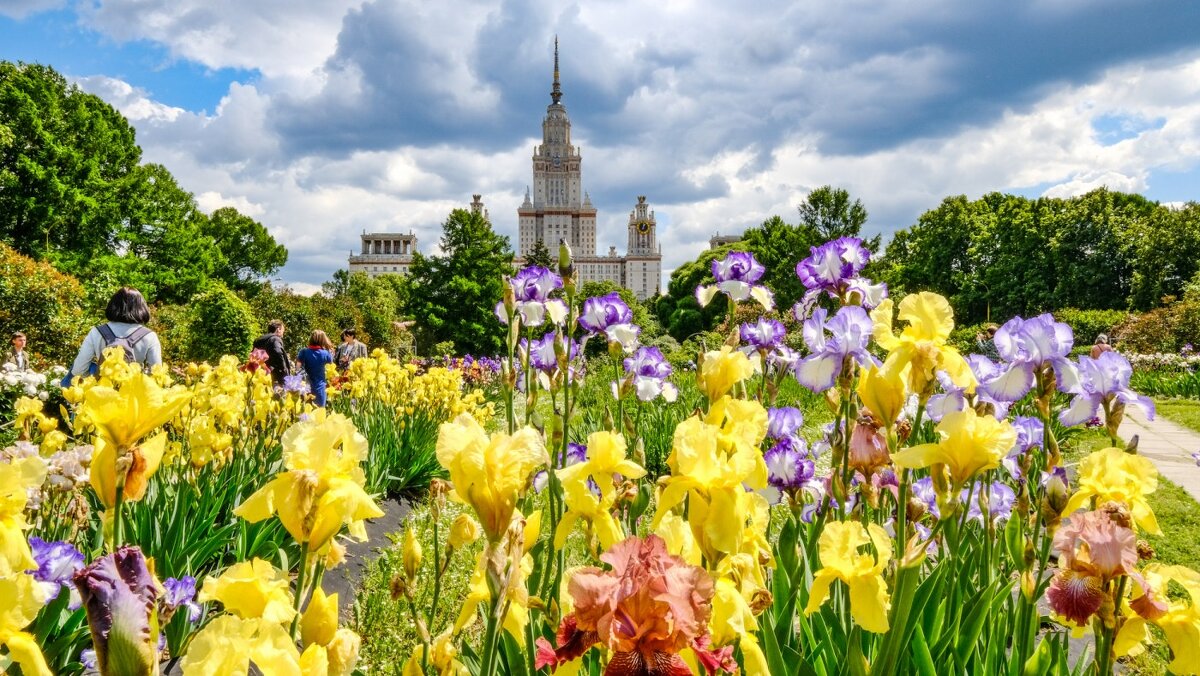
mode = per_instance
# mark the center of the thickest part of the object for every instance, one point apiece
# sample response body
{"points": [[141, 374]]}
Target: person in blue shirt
{"points": [[313, 360]]}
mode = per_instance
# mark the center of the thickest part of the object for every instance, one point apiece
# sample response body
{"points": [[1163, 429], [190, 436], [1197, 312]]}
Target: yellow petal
{"points": [[869, 603], [320, 620]]}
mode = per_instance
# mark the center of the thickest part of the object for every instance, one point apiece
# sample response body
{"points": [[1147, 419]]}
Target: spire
{"points": [[556, 92]]}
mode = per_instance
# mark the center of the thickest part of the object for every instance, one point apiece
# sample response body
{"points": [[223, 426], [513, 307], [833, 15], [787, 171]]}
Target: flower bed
{"points": [[929, 527]]}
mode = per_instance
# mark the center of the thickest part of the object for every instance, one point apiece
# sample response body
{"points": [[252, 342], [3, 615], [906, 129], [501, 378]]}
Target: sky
{"points": [[326, 118]]}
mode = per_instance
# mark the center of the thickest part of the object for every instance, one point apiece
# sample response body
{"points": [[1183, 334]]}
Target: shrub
{"points": [[221, 323], [1164, 329], [1087, 324], [48, 306]]}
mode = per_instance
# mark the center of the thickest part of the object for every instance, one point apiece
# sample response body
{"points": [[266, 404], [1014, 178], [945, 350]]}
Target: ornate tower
{"points": [[641, 230], [557, 208]]}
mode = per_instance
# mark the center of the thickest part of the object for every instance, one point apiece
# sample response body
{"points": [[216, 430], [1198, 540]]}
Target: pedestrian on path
{"points": [[277, 359], [127, 315], [313, 359], [17, 356], [1101, 346], [349, 350]]}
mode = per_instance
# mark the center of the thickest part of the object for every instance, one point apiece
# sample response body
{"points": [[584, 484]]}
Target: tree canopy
{"points": [[452, 296], [73, 190], [1003, 255]]}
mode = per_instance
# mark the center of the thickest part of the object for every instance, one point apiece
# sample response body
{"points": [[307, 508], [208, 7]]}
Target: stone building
{"points": [[558, 208], [384, 253]]}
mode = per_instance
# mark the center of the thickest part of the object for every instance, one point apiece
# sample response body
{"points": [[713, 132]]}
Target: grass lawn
{"points": [[1185, 412]]}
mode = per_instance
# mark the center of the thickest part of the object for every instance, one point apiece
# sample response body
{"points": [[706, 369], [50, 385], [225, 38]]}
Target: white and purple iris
{"points": [[833, 268], [783, 422], [849, 332], [1026, 346], [181, 593], [531, 289], [1101, 381], [1000, 501], [295, 384], [763, 335], [611, 316], [736, 276], [788, 464], [57, 564], [1030, 434], [650, 370]]}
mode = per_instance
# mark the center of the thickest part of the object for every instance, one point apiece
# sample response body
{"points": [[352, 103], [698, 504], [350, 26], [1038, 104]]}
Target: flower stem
{"points": [[301, 579]]}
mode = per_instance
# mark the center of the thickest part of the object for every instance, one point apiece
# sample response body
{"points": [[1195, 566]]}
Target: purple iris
{"points": [[922, 490], [650, 371], [1030, 434], [833, 268], [764, 334], [611, 316], [295, 384], [951, 399], [783, 358], [1029, 345], [57, 564], [831, 265], [181, 593], [531, 289], [120, 596], [736, 276], [992, 379], [783, 422], [849, 333], [1000, 498], [788, 466], [541, 353], [1102, 380]]}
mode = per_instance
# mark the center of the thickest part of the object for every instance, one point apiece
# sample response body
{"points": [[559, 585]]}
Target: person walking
{"points": [[277, 358], [349, 350], [127, 315], [1101, 346], [17, 356], [313, 359]]}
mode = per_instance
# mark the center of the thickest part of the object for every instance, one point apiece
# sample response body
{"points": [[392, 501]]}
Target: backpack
{"points": [[126, 343]]}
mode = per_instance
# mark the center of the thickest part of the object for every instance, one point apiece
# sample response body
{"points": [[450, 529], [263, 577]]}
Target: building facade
{"points": [[556, 209], [384, 253], [559, 209]]}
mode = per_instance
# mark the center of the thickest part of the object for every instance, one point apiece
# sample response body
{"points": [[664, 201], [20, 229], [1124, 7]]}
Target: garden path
{"points": [[1168, 445], [344, 579]]}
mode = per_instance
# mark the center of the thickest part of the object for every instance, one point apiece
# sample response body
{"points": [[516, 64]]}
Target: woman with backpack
{"points": [[127, 315], [314, 358]]}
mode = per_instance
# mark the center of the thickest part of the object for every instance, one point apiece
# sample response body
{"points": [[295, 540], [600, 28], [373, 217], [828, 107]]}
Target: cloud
{"points": [[385, 114], [19, 9]]}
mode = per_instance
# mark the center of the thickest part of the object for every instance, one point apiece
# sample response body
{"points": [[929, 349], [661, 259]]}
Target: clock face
{"points": [[643, 226]]}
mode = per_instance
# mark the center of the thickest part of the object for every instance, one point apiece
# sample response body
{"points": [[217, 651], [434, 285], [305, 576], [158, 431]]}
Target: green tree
{"points": [[540, 256], [831, 214], [453, 295], [247, 251], [221, 324]]}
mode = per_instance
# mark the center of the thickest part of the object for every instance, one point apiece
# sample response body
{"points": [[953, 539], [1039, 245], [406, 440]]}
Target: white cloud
{"points": [[729, 116]]}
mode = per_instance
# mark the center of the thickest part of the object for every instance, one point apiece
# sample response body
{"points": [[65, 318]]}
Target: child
{"points": [[313, 359]]}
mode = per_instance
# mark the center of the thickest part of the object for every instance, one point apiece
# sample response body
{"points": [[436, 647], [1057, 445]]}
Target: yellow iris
{"points": [[921, 347], [16, 478], [713, 461], [322, 488], [251, 590], [227, 644], [122, 417], [21, 597], [327, 649], [606, 457], [1181, 623], [882, 392], [516, 591], [968, 444], [1112, 475], [841, 559], [721, 370], [489, 473]]}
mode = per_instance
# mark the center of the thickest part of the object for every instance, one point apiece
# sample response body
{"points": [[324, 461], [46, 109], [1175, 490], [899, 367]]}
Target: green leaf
{"points": [[922, 659]]}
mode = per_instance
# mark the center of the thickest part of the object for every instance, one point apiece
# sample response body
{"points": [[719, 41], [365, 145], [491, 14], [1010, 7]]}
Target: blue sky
{"points": [[324, 118]]}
